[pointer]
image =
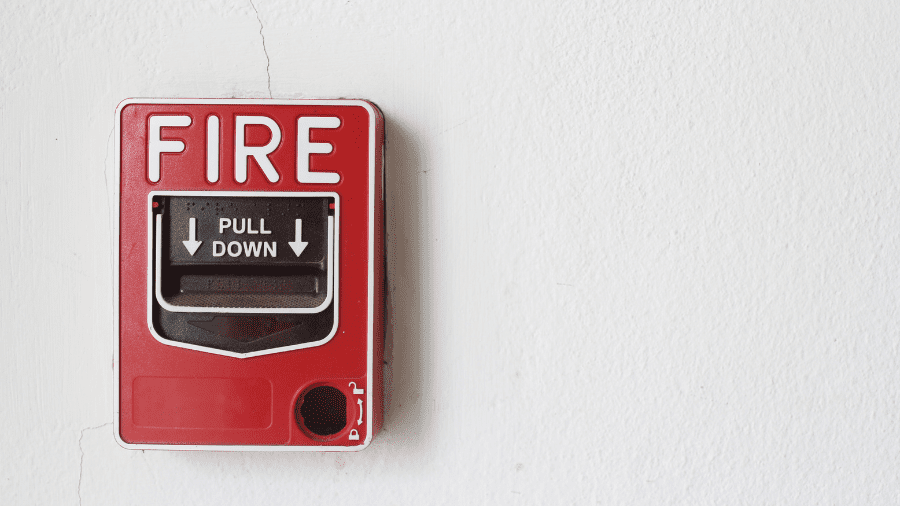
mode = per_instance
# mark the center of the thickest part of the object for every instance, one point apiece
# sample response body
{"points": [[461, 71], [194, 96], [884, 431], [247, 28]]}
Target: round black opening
{"points": [[322, 410]]}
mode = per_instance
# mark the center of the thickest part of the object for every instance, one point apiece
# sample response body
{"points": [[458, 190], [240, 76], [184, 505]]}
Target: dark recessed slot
{"points": [[244, 286]]}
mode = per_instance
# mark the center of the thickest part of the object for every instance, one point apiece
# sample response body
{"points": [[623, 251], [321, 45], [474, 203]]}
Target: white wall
{"points": [[640, 252]]}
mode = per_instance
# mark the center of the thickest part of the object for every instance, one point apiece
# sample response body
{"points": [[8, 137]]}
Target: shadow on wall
{"points": [[409, 397]]}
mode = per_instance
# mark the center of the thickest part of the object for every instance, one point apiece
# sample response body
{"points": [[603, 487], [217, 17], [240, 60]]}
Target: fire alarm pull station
{"points": [[250, 274]]}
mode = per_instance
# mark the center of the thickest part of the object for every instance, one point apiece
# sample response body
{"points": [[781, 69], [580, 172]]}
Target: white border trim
{"points": [[153, 286], [370, 327]]}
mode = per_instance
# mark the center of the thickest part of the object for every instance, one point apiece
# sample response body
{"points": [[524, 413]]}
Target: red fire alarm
{"points": [[250, 274]]}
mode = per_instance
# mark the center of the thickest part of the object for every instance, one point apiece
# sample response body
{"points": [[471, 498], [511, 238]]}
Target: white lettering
{"points": [[217, 252], [267, 253], [236, 253], [243, 153], [305, 148], [212, 148], [252, 248], [156, 146], [242, 225]]}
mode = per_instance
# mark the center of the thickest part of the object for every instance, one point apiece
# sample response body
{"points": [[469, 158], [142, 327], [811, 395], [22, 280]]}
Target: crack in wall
{"points": [[263, 37], [81, 459]]}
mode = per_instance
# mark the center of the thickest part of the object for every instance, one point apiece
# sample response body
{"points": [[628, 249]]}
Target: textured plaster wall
{"points": [[640, 252]]}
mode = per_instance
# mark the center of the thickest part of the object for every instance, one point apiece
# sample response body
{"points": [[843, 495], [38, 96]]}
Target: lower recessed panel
{"points": [[202, 403]]}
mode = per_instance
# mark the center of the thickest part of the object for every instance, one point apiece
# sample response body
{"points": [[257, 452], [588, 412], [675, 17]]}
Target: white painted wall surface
{"points": [[640, 252]]}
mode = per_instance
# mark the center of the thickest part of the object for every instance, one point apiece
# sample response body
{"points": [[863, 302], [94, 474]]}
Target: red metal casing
{"points": [[173, 395]]}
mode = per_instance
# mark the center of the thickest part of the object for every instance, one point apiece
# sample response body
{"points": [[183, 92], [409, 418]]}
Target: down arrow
{"points": [[297, 244], [192, 244]]}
